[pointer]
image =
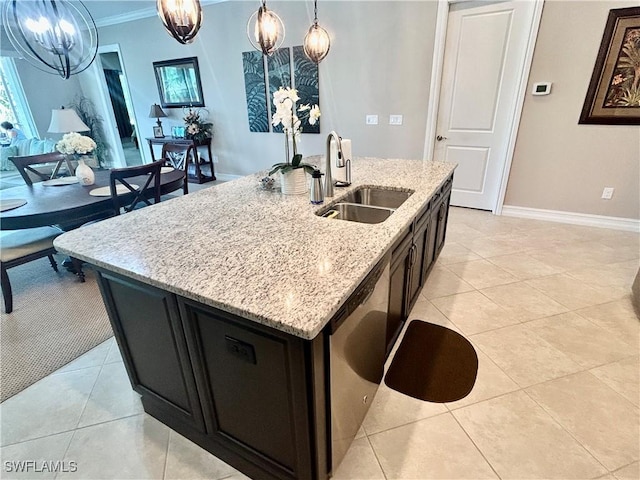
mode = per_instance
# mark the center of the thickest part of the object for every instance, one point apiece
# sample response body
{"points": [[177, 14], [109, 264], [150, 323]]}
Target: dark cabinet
{"points": [[147, 327], [251, 395], [398, 285], [253, 389], [412, 259]]}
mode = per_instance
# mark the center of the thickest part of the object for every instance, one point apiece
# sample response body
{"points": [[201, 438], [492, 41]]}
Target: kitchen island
{"points": [[222, 303]]}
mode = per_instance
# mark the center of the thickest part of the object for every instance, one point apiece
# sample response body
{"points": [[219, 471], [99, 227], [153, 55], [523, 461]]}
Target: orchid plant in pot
{"points": [[290, 116]]}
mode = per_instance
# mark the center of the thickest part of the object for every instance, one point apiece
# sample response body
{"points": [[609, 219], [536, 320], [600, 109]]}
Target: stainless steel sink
{"points": [[358, 213], [378, 197]]}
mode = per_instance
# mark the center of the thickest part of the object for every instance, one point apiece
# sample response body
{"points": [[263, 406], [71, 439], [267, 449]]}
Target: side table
{"points": [[199, 176]]}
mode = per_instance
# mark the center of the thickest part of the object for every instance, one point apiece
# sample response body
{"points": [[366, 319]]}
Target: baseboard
{"points": [[585, 219], [226, 177]]}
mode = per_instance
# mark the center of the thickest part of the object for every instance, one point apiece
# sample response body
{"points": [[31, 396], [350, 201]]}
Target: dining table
{"points": [[70, 203]]}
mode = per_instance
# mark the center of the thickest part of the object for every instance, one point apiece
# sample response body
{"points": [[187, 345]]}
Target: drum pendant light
{"points": [[53, 35], [316, 42], [181, 18], [265, 30]]}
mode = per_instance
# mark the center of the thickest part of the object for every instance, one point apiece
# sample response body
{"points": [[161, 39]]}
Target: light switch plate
{"points": [[395, 119], [372, 120]]}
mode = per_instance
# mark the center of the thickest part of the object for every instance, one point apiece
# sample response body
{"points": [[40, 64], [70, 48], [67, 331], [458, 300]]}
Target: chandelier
{"points": [[265, 30], [57, 35], [181, 18], [316, 41]]}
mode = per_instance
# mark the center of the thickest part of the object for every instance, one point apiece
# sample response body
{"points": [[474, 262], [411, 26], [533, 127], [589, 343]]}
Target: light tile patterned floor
{"points": [[547, 306]]}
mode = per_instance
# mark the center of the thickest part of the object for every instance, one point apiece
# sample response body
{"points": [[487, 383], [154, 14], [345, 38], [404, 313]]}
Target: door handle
{"points": [[440, 138]]}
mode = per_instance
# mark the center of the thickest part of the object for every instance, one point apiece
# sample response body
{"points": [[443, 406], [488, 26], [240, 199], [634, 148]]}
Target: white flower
{"points": [[285, 100], [74, 143], [314, 115]]}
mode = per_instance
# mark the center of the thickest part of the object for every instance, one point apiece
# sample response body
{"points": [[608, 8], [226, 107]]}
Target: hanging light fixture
{"points": [[181, 18], [57, 35], [316, 42], [265, 30]]}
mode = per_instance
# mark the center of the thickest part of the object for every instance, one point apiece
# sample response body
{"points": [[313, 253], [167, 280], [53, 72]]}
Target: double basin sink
{"points": [[367, 205]]}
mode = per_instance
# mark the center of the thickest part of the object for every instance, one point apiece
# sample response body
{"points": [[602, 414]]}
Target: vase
{"points": [[84, 174], [294, 182]]}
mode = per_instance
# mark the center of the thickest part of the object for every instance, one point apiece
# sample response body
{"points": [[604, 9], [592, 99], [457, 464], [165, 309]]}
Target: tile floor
{"points": [[547, 307]]}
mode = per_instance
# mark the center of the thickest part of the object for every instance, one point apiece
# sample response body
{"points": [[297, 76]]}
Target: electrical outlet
{"points": [[607, 193], [372, 119], [215, 159], [395, 119]]}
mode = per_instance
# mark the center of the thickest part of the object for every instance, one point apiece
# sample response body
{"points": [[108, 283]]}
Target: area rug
{"points": [[55, 319], [433, 363]]}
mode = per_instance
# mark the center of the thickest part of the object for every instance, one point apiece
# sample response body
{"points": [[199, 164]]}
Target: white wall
{"points": [[558, 164], [45, 92], [380, 63]]}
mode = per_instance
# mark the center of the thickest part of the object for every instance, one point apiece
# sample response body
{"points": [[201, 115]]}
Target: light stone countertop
{"points": [[259, 254]]}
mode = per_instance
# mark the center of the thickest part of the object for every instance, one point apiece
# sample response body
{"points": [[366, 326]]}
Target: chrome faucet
{"points": [[328, 180]]}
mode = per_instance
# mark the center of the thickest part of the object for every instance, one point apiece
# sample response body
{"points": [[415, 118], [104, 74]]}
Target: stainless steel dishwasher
{"points": [[356, 361]]}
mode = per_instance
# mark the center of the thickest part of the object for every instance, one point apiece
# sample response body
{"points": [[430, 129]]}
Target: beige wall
{"points": [[380, 63], [558, 164], [44, 92]]}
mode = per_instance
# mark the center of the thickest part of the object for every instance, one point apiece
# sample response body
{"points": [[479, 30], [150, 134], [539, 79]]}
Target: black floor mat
{"points": [[433, 363]]}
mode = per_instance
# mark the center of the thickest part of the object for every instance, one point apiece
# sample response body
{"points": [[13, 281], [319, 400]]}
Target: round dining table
{"points": [[71, 203]]}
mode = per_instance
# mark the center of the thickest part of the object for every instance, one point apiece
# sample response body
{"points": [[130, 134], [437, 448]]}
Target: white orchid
{"points": [[290, 117], [75, 144]]}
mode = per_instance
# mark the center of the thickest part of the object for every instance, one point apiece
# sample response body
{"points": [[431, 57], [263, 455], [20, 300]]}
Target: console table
{"points": [[199, 176]]}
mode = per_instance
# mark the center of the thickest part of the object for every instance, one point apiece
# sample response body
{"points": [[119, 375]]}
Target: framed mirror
{"points": [[179, 83]]}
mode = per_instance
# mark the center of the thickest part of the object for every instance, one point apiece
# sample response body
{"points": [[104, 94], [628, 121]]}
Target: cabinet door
{"points": [[420, 238], [398, 285], [253, 388], [443, 216], [148, 330], [432, 239]]}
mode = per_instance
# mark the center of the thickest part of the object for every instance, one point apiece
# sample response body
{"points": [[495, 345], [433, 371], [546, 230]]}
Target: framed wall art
{"points": [[179, 83], [613, 97]]}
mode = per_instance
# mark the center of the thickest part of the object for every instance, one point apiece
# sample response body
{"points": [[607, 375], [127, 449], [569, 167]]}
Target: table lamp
{"points": [[65, 120], [156, 112]]}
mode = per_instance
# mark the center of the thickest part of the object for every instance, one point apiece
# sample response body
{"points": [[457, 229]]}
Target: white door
{"points": [[484, 60]]}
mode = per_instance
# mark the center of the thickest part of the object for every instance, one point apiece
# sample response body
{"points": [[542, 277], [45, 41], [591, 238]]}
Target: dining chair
{"points": [[22, 246], [138, 195], [179, 157], [141, 194], [50, 164]]}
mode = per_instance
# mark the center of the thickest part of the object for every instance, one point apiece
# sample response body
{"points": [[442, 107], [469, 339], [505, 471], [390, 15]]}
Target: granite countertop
{"points": [[259, 254]]}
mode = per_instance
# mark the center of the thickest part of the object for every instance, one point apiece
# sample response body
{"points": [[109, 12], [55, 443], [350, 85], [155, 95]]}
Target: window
{"points": [[13, 103]]}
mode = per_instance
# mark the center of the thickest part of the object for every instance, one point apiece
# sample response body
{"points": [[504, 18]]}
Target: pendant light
{"points": [[316, 42], [53, 35], [181, 18], [265, 30]]}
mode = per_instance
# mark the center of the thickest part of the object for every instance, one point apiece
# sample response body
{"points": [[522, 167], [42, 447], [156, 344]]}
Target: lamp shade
{"points": [[156, 111], [65, 120]]}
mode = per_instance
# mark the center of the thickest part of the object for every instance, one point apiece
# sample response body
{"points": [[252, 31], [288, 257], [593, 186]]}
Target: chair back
{"points": [[148, 175], [178, 157], [50, 165]]}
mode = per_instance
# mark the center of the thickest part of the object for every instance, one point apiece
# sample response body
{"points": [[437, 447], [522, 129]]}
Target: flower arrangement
{"points": [[195, 127], [75, 144], [290, 116]]}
